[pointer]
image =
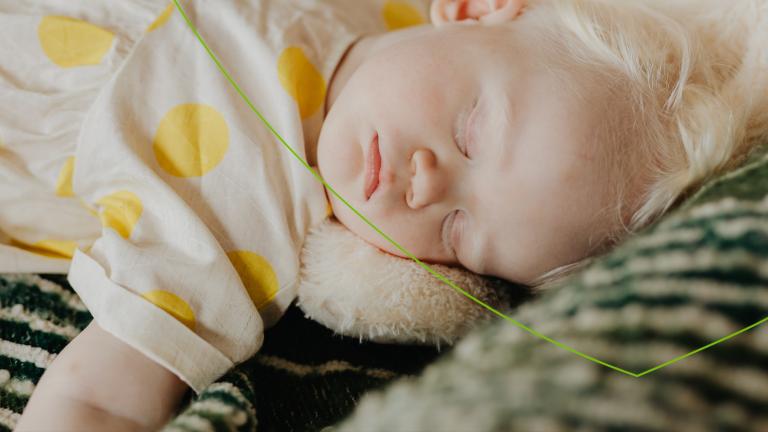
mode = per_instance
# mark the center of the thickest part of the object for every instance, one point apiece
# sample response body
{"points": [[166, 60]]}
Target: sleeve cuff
{"points": [[145, 327]]}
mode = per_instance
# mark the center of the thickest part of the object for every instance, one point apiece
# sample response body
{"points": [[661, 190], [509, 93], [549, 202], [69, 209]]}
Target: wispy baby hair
{"points": [[695, 74]]}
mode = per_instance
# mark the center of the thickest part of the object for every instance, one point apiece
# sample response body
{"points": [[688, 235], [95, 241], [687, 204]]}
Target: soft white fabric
{"points": [[180, 208], [387, 298]]}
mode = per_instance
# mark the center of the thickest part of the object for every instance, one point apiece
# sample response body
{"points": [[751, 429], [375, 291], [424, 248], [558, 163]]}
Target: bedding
{"points": [[304, 377]]}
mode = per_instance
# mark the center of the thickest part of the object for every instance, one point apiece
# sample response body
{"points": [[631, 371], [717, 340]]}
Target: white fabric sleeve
{"points": [[118, 311], [162, 161]]}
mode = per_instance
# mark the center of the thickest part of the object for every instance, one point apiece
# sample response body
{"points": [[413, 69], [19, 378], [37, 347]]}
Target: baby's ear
{"points": [[480, 11]]}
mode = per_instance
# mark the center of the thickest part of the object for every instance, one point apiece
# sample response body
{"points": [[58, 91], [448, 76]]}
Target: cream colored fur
{"points": [[357, 290]]}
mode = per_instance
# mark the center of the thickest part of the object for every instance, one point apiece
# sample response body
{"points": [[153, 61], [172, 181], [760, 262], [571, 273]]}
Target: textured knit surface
{"points": [[304, 378]]}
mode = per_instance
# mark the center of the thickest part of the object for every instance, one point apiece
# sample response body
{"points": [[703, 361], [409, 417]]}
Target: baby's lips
{"points": [[372, 167]]}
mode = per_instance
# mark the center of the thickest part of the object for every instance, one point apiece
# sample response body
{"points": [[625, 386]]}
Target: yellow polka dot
{"points": [[162, 18], [64, 184], [63, 248], [49, 248], [400, 14], [191, 140], [120, 211], [257, 275], [301, 80], [70, 42], [172, 304]]}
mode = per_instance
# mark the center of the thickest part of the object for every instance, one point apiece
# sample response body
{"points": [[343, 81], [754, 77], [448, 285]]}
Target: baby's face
{"points": [[487, 161]]}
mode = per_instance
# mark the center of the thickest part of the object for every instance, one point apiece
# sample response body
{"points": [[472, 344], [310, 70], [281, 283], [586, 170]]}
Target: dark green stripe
{"points": [[743, 314], [21, 333], [58, 279], [675, 222], [739, 274], [21, 369], [753, 242], [219, 395], [744, 185], [239, 378], [13, 401], [48, 305], [716, 394], [229, 399], [728, 353]]}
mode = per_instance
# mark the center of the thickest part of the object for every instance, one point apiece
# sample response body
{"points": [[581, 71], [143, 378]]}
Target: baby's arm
{"points": [[100, 383]]}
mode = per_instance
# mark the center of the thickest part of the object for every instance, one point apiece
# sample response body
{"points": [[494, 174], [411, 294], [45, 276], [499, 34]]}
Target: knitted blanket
{"points": [[303, 378]]}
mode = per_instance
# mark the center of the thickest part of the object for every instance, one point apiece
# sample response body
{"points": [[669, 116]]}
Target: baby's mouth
{"points": [[372, 167]]}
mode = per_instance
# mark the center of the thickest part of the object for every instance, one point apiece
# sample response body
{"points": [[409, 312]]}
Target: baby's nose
{"points": [[427, 186]]}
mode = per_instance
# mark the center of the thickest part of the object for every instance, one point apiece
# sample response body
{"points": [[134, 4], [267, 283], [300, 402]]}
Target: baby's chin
{"points": [[376, 241]]}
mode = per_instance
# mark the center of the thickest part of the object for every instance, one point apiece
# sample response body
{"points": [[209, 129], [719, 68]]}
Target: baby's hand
{"points": [[100, 383]]}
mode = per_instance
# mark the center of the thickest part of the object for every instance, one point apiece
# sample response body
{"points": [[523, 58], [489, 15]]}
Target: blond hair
{"points": [[695, 73]]}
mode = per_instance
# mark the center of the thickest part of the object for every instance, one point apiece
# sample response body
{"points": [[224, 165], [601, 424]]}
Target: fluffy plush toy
{"points": [[358, 290]]}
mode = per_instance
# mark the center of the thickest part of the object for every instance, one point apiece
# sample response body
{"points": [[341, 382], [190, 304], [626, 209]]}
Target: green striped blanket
{"points": [[695, 277], [304, 377]]}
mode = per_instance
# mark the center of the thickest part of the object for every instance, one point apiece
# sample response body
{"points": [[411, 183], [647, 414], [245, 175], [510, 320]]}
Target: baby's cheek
{"points": [[357, 225]]}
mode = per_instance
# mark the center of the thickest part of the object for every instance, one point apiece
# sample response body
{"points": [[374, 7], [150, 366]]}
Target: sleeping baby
{"points": [[511, 138]]}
